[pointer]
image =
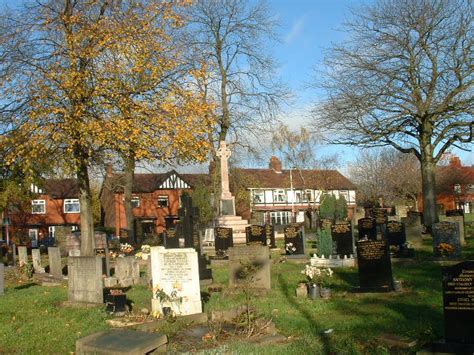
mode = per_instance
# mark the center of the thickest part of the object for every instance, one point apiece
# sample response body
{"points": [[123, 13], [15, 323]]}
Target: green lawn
{"points": [[32, 319]]}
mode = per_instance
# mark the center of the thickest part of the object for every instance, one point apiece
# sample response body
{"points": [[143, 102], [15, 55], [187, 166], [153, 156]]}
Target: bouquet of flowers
{"points": [[445, 249], [316, 275], [290, 248], [126, 248]]}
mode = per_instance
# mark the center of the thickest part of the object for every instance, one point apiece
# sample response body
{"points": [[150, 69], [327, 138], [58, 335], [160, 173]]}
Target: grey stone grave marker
{"points": [[22, 255], [115, 342], [85, 279], [36, 257], [446, 240], [459, 219], [243, 257], [127, 271], [55, 267]]}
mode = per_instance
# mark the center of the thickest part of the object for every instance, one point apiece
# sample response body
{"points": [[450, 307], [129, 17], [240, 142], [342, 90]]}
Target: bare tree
{"points": [[405, 79], [231, 37], [388, 173]]}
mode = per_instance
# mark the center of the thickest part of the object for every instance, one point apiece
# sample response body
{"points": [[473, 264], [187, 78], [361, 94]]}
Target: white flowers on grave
{"points": [[316, 275], [126, 248], [144, 252], [290, 248]]}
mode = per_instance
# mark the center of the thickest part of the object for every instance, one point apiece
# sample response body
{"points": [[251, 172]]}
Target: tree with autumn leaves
{"points": [[102, 76]]}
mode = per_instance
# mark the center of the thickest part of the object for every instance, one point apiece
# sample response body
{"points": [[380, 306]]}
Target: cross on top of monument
{"points": [[223, 152]]}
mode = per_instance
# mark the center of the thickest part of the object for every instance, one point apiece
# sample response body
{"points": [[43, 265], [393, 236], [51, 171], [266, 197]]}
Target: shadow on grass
{"points": [[287, 292], [28, 285]]}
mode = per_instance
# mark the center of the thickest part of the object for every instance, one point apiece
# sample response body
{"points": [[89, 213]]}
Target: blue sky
{"points": [[307, 28]]}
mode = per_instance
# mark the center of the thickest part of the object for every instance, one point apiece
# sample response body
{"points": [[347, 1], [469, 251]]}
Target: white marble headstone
{"points": [[176, 273]]}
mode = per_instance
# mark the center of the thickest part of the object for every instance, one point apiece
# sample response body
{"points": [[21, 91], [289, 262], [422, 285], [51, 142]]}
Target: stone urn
{"points": [[325, 293]]}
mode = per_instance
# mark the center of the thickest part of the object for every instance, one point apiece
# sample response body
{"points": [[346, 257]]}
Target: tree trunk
{"points": [[127, 195], [85, 200], [430, 213]]}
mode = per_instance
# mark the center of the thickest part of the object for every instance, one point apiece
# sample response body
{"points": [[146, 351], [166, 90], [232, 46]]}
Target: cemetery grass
{"points": [[33, 320]]}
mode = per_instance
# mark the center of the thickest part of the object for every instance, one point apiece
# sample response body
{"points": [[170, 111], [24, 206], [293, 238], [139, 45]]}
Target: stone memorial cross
{"points": [[224, 153]]}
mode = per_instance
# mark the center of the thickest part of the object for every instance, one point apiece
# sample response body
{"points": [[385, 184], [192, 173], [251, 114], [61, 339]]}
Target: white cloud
{"points": [[296, 30]]}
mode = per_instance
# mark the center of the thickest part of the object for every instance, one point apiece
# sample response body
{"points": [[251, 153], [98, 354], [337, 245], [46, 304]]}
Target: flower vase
{"points": [[313, 291]]}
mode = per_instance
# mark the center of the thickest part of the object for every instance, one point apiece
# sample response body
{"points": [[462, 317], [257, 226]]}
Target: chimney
{"points": [[109, 170], [275, 164], [455, 162]]}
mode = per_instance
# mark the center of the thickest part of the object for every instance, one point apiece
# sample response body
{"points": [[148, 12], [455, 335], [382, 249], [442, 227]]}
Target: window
{"points": [[72, 206], [258, 196], [457, 189], [308, 196], [33, 234], [280, 218], [38, 206], [279, 196], [163, 201], [74, 228], [298, 196], [51, 231], [135, 201]]}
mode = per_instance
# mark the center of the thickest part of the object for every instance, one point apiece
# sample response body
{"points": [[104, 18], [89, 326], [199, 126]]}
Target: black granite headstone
{"points": [[367, 229], [446, 240], [205, 273], [458, 308], [270, 235], [171, 238], [342, 239], [380, 215], [375, 267], [223, 240], [294, 240], [256, 234], [452, 213], [188, 216], [396, 233]]}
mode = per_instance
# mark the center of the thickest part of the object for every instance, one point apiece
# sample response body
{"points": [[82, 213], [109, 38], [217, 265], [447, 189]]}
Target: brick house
{"points": [[54, 210], [155, 201], [454, 187], [276, 194]]}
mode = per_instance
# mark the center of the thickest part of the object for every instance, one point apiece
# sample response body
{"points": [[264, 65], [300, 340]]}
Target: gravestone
{"points": [[458, 308], [22, 255], [395, 233], [414, 218], [294, 239], [375, 267], [459, 219], [14, 254], [342, 239], [85, 279], [452, 213], [205, 272], [227, 201], [256, 234], [171, 238], [270, 235], [2, 278], [446, 240], [127, 271], [367, 228], [175, 273], [223, 240], [249, 266], [55, 267], [36, 257], [380, 215], [188, 216]]}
